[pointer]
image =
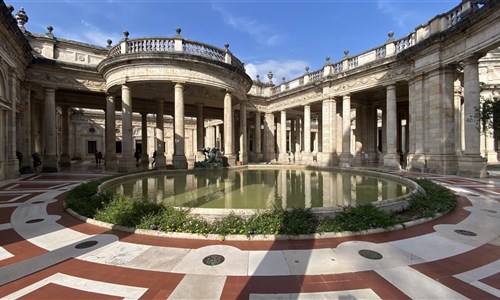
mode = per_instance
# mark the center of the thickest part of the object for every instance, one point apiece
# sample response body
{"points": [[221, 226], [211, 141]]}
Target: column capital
{"points": [[391, 86], [471, 60], [49, 87], [179, 85]]}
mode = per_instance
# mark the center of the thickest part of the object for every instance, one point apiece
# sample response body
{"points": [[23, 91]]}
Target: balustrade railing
{"points": [[353, 62], [380, 52], [404, 43], [142, 45], [316, 75], [338, 67]]}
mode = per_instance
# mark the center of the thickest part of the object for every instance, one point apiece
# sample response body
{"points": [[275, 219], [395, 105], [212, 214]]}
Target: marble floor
{"points": [[45, 253]]}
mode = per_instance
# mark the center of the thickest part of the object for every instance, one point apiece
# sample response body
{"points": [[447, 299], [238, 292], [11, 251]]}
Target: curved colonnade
{"points": [[404, 104]]}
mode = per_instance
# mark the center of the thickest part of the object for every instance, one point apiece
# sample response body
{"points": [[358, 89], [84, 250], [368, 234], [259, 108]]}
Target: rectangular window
{"points": [[91, 147]]}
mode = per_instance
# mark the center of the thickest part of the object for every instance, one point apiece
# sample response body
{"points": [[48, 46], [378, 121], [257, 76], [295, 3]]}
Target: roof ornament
{"points": [[21, 18], [270, 76], [49, 32], [391, 36], [109, 41], [10, 8]]}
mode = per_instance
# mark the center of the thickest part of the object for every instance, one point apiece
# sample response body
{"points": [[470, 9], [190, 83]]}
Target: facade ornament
{"points": [[21, 18], [307, 70], [125, 35], [327, 60], [391, 36], [346, 53], [109, 41], [178, 31], [49, 32], [258, 78], [226, 47], [270, 76], [10, 8]]}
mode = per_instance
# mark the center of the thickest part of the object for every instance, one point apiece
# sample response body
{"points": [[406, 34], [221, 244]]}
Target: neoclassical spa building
{"points": [[405, 104]]}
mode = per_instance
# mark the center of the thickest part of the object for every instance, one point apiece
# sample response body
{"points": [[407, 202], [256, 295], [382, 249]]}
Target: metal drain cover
{"points": [[213, 260], [465, 232], [34, 221], [86, 244], [370, 254]]}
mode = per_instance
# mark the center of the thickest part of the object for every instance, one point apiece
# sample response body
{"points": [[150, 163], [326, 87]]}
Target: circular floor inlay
{"points": [[370, 254], [489, 211], [474, 195], [34, 221], [465, 232], [213, 260], [37, 202], [86, 244]]}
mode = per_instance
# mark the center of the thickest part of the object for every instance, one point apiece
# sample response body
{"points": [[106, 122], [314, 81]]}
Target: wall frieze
{"points": [[66, 81]]}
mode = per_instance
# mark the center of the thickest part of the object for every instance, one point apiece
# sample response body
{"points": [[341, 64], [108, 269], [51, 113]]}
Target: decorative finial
{"points": [[307, 70], [258, 78], [283, 78], [270, 76], [21, 18], [226, 46], [125, 35], [109, 41], [346, 53], [391, 36], [178, 30], [10, 8], [327, 60], [49, 31]]}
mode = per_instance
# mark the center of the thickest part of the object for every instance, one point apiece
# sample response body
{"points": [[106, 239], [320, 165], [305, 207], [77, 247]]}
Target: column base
{"points": [[160, 162], [65, 161], [417, 163], [190, 162], [229, 160], [491, 156], [442, 164], [284, 158], [345, 160], [179, 162], [328, 159], [306, 158], [110, 163], [472, 166], [391, 161], [127, 163], [257, 157], [270, 157], [50, 164], [243, 157], [144, 159], [12, 167]]}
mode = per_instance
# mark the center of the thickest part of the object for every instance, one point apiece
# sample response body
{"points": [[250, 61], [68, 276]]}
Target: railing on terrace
{"points": [[174, 45], [389, 49]]}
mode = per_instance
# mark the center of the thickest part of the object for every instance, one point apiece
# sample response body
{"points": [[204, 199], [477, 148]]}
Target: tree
{"points": [[487, 117]]}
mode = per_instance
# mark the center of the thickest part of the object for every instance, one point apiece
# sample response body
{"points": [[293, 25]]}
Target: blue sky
{"points": [[281, 36]]}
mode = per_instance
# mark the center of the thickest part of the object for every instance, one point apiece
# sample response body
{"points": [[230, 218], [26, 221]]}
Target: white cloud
{"points": [[262, 33], [289, 69], [97, 36], [400, 15]]}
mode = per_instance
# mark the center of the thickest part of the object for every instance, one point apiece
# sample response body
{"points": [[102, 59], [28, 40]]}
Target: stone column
{"points": [[179, 159], [258, 137], [243, 133], [457, 103], [12, 164], [329, 138], [346, 156], [217, 137], [391, 158], [160, 160], [298, 139], [110, 157], [127, 161], [50, 161], [228, 129], [306, 156], [144, 138], [28, 135], [283, 156], [471, 163], [269, 127], [199, 132], [65, 160], [417, 127]]}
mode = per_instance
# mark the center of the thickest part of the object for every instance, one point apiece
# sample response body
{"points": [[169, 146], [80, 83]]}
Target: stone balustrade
{"points": [[175, 45], [391, 48]]}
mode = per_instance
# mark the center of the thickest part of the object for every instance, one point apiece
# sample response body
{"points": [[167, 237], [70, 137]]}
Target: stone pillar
{"points": [[346, 156], [283, 155], [65, 160], [160, 160], [471, 163], [144, 138], [229, 129], [217, 137], [50, 161], [416, 154], [179, 159], [391, 158], [110, 157], [243, 133], [200, 156], [258, 138], [457, 103], [307, 157], [269, 127], [298, 139], [12, 165], [329, 139], [28, 135], [127, 161]]}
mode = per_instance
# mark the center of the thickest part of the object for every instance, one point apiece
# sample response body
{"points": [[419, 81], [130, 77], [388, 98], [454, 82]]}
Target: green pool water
{"points": [[261, 189]]}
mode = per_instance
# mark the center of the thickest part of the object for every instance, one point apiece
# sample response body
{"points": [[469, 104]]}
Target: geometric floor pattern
{"points": [[47, 254]]}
